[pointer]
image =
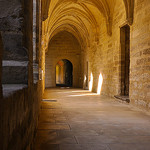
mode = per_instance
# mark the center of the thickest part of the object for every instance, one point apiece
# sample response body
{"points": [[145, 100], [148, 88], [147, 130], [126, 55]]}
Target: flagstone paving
{"points": [[74, 119]]}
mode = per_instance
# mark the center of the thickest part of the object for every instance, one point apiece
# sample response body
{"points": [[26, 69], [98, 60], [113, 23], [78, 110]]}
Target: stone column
{"points": [[1, 50]]}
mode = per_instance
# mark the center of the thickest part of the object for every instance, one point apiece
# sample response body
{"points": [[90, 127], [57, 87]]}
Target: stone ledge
{"points": [[10, 89], [14, 63], [123, 98]]}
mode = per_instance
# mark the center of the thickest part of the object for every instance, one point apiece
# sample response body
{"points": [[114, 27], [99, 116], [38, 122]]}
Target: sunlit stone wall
{"points": [[63, 46], [140, 55], [107, 55], [104, 57]]}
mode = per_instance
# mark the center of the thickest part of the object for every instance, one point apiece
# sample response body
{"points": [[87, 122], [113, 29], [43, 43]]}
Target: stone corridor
{"points": [[102, 46], [74, 119]]}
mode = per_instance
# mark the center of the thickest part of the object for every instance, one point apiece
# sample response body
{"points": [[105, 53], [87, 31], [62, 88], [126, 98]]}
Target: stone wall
{"points": [[19, 119], [140, 55], [107, 55], [63, 46], [11, 26], [20, 105], [104, 57]]}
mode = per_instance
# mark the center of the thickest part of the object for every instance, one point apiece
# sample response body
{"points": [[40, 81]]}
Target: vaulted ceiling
{"points": [[80, 17]]}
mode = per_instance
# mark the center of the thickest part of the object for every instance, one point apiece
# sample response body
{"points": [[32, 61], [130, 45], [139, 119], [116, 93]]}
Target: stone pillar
{"points": [[28, 37], [1, 50], [1, 94]]}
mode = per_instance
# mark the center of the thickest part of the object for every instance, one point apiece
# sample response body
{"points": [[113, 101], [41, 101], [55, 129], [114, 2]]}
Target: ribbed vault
{"points": [[82, 18]]}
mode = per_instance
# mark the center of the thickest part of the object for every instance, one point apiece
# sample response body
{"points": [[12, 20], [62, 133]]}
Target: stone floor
{"points": [[73, 119]]}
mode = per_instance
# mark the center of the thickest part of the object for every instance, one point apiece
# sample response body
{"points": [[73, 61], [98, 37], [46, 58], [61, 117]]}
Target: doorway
{"points": [[125, 59], [64, 73]]}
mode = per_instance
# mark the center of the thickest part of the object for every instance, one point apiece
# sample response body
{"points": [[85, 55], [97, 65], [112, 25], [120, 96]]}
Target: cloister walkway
{"points": [[74, 119]]}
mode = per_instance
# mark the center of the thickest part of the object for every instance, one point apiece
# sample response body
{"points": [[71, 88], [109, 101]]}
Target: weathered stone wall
{"points": [[11, 25], [104, 57], [19, 119], [140, 55], [63, 46], [107, 55], [18, 111]]}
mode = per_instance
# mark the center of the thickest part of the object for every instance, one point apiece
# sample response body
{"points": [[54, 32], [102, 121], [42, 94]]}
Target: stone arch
{"points": [[64, 73], [63, 45], [105, 7]]}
